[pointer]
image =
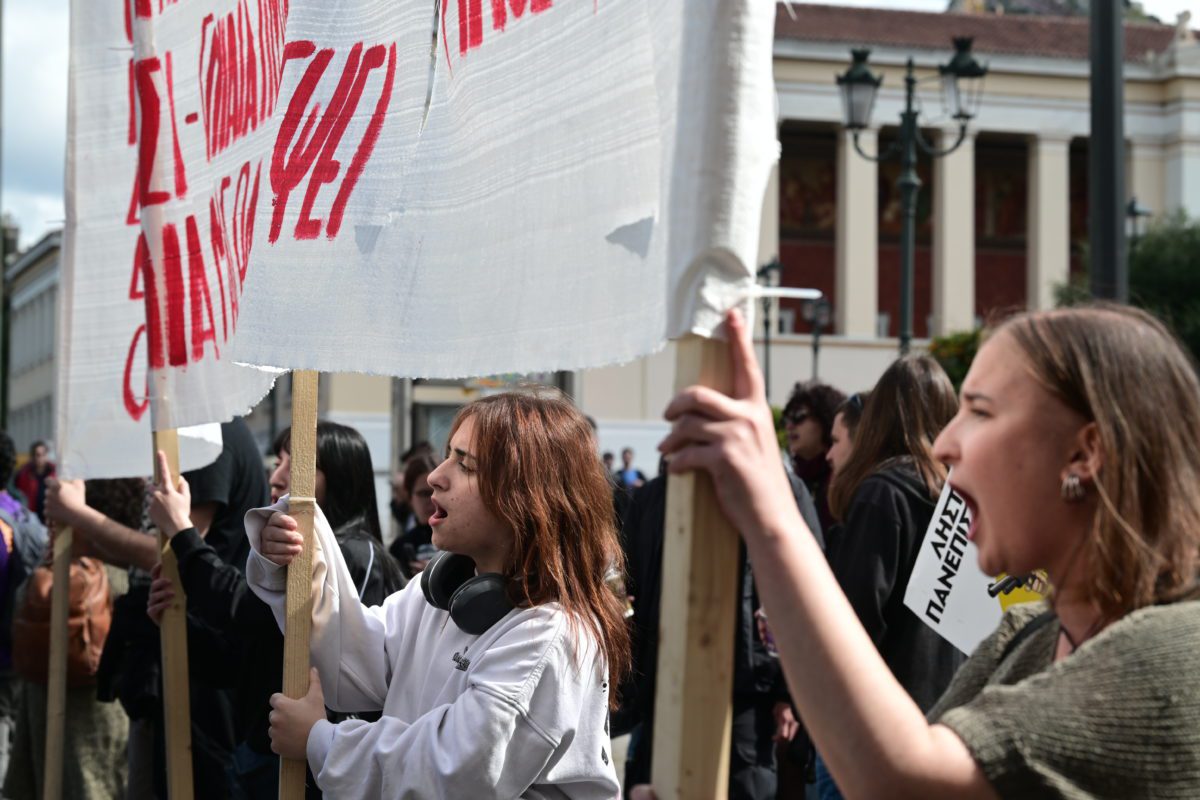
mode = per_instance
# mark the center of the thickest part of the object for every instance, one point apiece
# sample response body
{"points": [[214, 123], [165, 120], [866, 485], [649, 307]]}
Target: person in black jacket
{"points": [[885, 495], [756, 672], [345, 491], [219, 597], [130, 666]]}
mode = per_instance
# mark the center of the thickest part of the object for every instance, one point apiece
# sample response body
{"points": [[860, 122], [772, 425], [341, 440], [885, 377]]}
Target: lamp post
{"points": [[962, 88], [820, 314], [768, 273], [1136, 212]]}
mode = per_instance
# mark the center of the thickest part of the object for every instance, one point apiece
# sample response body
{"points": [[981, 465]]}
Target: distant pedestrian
{"points": [[808, 420], [31, 478], [630, 477]]}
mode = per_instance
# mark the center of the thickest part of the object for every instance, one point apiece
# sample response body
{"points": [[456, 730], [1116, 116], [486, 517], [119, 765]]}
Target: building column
{"points": [[857, 279], [1049, 227], [768, 240], [1145, 177], [1182, 175], [954, 236]]}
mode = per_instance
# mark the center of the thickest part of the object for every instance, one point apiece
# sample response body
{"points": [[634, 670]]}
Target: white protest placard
{"points": [[947, 589], [159, 221], [507, 186]]}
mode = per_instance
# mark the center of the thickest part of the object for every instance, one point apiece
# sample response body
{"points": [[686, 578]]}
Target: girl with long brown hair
{"points": [[884, 496], [496, 670], [1075, 448]]}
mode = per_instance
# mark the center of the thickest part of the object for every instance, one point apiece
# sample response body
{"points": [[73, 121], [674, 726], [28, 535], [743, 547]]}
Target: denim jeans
{"points": [[826, 788]]}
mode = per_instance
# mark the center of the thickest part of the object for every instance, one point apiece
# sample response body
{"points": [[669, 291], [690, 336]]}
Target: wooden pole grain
{"points": [[692, 716]]}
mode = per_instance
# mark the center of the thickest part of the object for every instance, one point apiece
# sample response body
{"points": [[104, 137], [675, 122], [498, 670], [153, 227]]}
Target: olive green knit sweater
{"points": [[1119, 718]]}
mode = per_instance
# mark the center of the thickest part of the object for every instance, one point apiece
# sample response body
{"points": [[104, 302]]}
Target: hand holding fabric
{"points": [[280, 539]]}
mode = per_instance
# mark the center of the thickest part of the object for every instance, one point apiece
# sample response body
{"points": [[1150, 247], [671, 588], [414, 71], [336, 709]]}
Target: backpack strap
{"points": [[1030, 628]]}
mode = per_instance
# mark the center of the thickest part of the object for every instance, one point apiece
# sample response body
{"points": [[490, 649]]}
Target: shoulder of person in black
{"points": [[374, 572], [877, 547], [236, 482]]}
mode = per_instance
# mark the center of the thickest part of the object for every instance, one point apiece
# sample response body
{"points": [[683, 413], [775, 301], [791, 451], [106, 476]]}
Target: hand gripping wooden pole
{"points": [[301, 506], [177, 712], [692, 717], [56, 686]]}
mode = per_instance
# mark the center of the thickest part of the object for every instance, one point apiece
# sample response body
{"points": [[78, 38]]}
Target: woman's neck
{"points": [[1079, 618]]}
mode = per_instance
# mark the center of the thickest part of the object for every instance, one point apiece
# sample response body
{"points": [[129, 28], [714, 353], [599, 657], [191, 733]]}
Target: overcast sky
{"points": [[35, 101]]}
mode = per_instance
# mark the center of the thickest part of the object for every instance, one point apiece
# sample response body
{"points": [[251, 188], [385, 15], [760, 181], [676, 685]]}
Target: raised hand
{"points": [[732, 437], [171, 504]]}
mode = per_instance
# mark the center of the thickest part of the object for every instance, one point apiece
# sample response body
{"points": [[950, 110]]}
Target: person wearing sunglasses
{"points": [[808, 420]]}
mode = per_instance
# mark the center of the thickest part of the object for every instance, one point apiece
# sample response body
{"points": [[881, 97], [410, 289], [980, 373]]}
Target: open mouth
{"points": [[439, 513], [972, 506]]}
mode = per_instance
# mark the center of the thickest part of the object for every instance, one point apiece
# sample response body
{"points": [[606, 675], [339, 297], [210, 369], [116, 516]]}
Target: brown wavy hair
{"points": [[1122, 369], [538, 473], [913, 400]]}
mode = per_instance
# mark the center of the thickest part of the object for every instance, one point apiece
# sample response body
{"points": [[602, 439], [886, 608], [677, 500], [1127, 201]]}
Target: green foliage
{"points": [[1164, 278], [1074, 292], [955, 352]]}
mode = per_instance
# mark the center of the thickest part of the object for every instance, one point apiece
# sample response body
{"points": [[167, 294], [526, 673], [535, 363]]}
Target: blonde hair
{"points": [[1121, 368]]}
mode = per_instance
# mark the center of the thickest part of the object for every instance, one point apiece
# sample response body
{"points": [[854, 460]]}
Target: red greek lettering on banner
{"points": [[470, 20], [147, 75], [133, 406], [316, 143], [201, 297], [240, 70]]}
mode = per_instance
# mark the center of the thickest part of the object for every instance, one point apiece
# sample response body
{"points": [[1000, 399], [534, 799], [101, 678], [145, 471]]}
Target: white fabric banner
{"points": [[157, 233], [947, 589], [502, 186], [506, 185]]}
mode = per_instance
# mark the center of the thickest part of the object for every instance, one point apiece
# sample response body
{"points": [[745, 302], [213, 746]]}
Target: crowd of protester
{"points": [[510, 631]]}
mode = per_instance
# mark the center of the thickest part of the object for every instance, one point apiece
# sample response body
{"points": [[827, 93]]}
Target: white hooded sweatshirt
{"points": [[521, 711]]}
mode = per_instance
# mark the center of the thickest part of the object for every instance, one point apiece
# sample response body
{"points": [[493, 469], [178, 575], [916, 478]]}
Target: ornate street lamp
{"points": [[962, 90], [962, 82], [859, 87]]}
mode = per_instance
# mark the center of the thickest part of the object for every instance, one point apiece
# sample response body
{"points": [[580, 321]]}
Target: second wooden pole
{"points": [[302, 507], [177, 710]]}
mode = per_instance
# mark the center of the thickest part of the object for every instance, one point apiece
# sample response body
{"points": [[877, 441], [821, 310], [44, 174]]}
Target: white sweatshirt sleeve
{"points": [[348, 643], [486, 743]]}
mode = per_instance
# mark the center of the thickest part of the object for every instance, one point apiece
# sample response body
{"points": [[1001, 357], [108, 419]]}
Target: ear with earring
{"points": [[1073, 490]]}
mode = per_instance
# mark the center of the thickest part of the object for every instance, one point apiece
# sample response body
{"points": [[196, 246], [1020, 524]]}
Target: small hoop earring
{"points": [[1073, 489]]}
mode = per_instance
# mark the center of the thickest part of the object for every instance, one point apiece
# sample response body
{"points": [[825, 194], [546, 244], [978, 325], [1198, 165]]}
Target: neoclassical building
{"points": [[1000, 223]]}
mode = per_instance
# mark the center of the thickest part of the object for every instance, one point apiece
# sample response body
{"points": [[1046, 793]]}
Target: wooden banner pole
{"points": [[56, 685], [301, 506], [177, 712], [692, 715]]}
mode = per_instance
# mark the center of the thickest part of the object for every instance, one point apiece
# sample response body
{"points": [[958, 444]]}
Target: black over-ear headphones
{"points": [[475, 602]]}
